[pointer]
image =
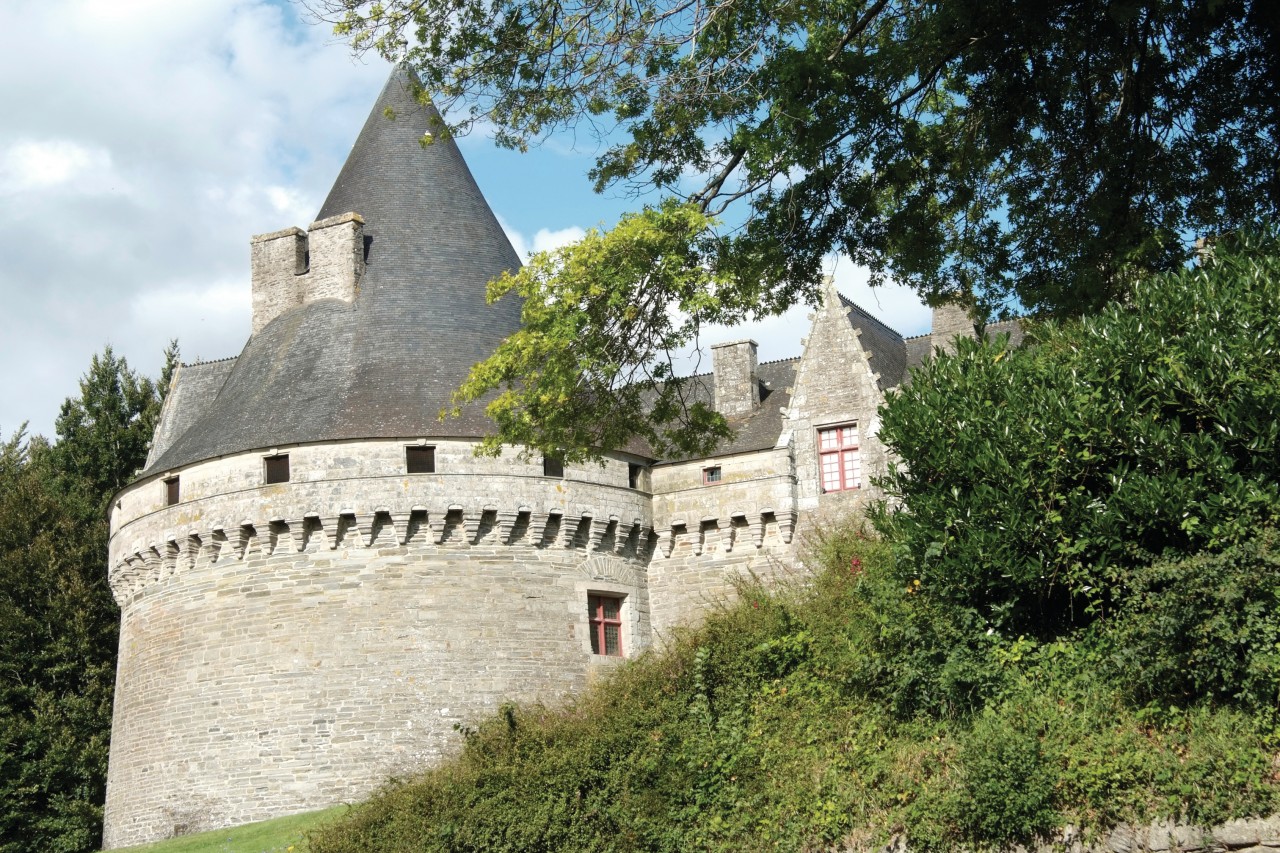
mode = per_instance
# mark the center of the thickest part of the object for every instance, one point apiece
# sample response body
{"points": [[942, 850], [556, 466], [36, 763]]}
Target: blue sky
{"points": [[144, 141]]}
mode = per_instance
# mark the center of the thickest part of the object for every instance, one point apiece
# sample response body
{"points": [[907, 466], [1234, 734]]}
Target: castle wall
{"points": [[710, 534], [275, 660]]}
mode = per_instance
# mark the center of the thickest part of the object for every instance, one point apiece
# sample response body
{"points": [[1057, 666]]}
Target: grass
{"points": [[282, 835]]}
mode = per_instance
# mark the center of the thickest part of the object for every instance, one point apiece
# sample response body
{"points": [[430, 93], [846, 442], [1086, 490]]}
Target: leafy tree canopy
{"points": [[1038, 481], [980, 150]]}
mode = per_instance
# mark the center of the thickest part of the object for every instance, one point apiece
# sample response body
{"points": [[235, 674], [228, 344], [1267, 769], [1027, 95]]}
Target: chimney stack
{"points": [[950, 321], [293, 267], [737, 383]]}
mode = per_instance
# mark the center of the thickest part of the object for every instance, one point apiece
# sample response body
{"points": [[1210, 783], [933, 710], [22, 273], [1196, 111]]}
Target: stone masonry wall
{"points": [[709, 534], [835, 384], [274, 659], [1245, 835]]}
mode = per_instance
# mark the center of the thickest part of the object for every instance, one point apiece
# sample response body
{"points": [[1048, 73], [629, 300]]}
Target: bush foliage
{"points": [[1034, 481], [757, 731]]}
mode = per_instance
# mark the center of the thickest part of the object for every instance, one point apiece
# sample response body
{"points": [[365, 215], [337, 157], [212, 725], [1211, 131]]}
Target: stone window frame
{"points": [[552, 467], [847, 457], [172, 490], [712, 474], [630, 615], [426, 461], [276, 469], [598, 623]]}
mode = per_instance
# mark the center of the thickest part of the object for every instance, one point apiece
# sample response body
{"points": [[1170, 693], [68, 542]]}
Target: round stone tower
{"points": [[318, 581]]}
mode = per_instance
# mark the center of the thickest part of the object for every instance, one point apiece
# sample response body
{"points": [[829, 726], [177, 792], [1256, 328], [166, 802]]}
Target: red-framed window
{"points": [[605, 614], [171, 493], [839, 464], [711, 475]]}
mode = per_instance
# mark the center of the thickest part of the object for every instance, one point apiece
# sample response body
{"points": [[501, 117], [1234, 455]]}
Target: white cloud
{"points": [[203, 315], [28, 166], [546, 240], [144, 142]]}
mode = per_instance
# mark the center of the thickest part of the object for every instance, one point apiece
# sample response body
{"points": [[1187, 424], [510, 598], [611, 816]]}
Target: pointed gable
{"points": [[849, 360]]}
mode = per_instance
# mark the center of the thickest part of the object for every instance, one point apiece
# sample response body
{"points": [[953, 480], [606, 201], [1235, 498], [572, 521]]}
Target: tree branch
{"points": [[858, 27]]}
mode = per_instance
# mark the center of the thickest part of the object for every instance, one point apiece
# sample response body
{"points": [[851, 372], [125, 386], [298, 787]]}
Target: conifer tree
{"points": [[58, 622]]}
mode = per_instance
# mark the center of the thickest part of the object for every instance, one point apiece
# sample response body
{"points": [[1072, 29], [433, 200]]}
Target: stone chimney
{"points": [[737, 383], [950, 321], [293, 267]]}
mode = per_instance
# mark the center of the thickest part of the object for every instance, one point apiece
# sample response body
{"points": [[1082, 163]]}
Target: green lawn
{"points": [[282, 835]]}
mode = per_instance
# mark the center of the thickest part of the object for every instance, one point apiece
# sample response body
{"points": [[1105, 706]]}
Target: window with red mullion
{"points": [[838, 458], [606, 624]]}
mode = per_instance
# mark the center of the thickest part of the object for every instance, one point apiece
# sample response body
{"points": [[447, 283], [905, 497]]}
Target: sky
{"points": [[143, 142]]}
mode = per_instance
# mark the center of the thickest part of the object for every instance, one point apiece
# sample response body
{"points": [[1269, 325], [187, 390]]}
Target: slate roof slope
{"points": [[884, 345], [385, 365], [194, 388], [756, 430]]}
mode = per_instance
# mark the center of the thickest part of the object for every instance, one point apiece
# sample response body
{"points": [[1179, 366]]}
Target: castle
{"points": [[319, 581]]}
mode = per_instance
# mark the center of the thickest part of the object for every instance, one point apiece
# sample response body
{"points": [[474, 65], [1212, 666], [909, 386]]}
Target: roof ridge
{"points": [[203, 362], [863, 311]]}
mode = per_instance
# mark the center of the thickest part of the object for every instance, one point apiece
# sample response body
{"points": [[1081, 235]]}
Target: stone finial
{"points": [[736, 380]]}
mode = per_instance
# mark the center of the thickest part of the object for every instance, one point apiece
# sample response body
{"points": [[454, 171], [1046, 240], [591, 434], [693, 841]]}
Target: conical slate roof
{"points": [[385, 365]]}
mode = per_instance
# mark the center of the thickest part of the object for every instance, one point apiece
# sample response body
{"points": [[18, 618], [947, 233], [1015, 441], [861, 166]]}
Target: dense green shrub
{"points": [[1007, 788], [1206, 626], [1035, 480]]}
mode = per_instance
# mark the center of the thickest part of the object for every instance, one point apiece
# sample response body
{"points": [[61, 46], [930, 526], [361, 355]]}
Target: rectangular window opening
{"points": [[171, 492], [633, 475], [605, 614], [277, 468], [711, 475], [552, 467], [840, 465], [419, 459]]}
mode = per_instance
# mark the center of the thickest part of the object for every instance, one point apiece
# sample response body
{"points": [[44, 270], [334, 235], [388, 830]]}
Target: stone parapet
{"points": [[1245, 835]]}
